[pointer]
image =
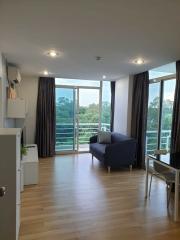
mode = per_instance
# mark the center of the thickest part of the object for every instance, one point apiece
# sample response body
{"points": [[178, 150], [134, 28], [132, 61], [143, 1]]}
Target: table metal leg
{"points": [[147, 177], [176, 198]]}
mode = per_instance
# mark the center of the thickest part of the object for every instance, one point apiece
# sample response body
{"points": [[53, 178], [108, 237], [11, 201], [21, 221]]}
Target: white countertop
{"points": [[10, 131], [32, 153]]}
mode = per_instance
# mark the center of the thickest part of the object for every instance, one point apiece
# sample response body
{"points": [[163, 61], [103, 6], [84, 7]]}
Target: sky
{"points": [[162, 71], [169, 85], [86, 96], [169, 88]]}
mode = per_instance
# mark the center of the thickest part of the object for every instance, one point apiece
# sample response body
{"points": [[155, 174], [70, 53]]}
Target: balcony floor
{"points": [[82, 147]]}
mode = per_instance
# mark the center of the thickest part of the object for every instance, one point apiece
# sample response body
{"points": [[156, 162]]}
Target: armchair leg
{"points": [[169, 194], [109, 169], [130, 168], [150, 185]]}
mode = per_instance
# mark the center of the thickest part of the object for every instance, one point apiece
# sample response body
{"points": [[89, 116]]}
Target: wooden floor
{"points": [[76, 199]]}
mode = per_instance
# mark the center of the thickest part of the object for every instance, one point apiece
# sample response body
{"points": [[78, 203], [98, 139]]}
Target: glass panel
{"points": [[167, 109], [162, 71], [106, 106], [153, 118], [77, 82], [88, 116], [65, 109]]}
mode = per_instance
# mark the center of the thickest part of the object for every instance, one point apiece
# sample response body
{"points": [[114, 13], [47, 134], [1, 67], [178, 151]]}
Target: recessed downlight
{"points": [[52, 53], [45, 72], [104, 77], [139, 61]]}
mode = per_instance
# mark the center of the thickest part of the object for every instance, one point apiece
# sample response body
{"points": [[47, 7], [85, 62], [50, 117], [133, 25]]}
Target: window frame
{"points": [[161, 80], [77, 87]]}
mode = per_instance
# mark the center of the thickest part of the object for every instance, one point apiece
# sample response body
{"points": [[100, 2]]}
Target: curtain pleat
{"points": [[139, 114], [45, 117]]}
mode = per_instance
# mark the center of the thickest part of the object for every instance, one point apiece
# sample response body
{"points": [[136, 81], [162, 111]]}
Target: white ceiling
{"points": [[117, 30]]}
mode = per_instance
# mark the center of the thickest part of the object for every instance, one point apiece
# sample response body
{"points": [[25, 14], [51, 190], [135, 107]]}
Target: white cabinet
{"points": [[16, 108], [10, 180]]}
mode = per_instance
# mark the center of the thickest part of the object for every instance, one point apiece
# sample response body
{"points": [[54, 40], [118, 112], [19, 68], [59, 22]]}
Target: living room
{"points": [[89, 120]]}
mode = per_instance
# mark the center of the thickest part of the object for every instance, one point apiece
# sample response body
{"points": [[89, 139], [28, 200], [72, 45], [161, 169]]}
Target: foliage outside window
{"points": [[160, 109], [88, 116], [106, 106]]}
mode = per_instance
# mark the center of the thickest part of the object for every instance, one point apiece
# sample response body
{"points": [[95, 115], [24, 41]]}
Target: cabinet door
{"points": [[18, 152], [18, 209], [18, 170], [18, 187], [8, 180]]}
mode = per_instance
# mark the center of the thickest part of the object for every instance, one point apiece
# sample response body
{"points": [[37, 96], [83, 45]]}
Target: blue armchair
{"points": [[121, 152]]}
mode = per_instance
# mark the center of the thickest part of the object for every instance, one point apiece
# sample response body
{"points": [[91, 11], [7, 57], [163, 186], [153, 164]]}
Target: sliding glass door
{"points": [[166, 113], [153, 117], [65, 120], [88, 116], [159, 120], [77, 117]]}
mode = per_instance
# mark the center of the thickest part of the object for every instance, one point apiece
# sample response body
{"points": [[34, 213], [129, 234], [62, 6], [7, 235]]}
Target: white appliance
{"points": [[14, 75]]}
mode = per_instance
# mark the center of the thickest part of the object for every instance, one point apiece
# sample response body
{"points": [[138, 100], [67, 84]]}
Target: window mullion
{"points": [[160, 113]]}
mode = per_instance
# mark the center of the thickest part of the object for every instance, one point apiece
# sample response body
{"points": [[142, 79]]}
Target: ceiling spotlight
{"points": [[52, 53], [139, 61], [45, 72], [104, 76]]}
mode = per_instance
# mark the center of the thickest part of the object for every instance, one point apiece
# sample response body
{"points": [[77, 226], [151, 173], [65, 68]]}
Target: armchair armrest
{"points": [[93, 139]]}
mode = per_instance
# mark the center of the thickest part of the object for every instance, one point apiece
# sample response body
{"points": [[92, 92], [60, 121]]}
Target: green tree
{"points": [[87, 114], [106, 112], [153, 114], [153, 122], [64, 110]]}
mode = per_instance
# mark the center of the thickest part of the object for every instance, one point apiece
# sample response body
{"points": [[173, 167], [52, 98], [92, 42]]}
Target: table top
{"points": [[172, 160]]}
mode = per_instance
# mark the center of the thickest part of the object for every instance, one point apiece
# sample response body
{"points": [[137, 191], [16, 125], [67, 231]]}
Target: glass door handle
{"points": [[2, 191]]}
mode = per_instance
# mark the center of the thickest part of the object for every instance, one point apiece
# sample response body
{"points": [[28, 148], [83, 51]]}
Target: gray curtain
{"points": [[139, 115], [113, 84], [175, 134], [45, 117]]}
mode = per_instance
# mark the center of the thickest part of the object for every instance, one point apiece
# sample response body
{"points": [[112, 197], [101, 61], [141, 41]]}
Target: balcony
{"points": [[68, 137], [151, 140]]}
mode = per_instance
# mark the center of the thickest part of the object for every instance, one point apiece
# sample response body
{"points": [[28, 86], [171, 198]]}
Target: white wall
{"points": [[123, 104], [4, 122], [1, 94], [2, 91], [28, 89]]}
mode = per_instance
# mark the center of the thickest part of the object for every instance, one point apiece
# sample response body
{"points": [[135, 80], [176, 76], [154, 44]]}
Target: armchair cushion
{"points": [[104, 137]]}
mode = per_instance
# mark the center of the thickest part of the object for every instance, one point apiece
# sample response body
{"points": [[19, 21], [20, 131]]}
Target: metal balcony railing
{"points": [[67, 135], [151, 140]]}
